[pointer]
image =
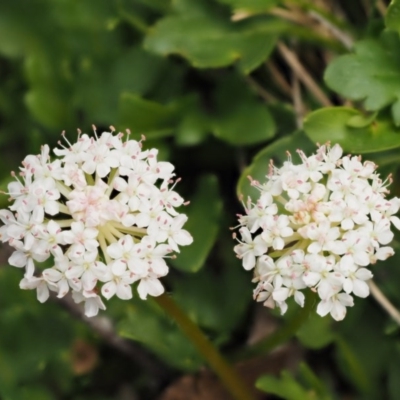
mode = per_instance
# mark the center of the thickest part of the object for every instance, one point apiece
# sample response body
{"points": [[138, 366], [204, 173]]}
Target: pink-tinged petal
{"points": [[138, 266], [89, 280], [311, 278], [299, 298], [18, 259], [102, 170], [347, 224], [159, 267], [382, 254], [385, 237], [114, 250], [91, 244], [142, 220], [346, 299], [29, 268], [361, 258], [338, 247], [118, 267], [172, 245], [69, 237], [325, 290], [52, 275], [364, 274], [282, 306], [348, 285], [52, 207], [109, 289], [249, 261], [124, 292], [360, 288], [42, 292], [277, 244], [324, 308], [395, 221], [338, 311], [74, 272], [93, 305], [314, 248], [89, 167], [246, 236], [120, 184], [346, 262], [183, 238], [153, 287], [63, 288], [281, 294], [128, 220]]}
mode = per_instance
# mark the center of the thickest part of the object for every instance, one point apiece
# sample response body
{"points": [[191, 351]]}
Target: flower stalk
{"points": [[230, 378]]}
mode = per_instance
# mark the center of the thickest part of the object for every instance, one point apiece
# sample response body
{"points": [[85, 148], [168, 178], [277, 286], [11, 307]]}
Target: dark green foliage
{"points": [[202, 80]]}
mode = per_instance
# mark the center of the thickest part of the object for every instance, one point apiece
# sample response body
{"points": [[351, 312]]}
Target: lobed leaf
{"points": [[336, 124], [371, 74], [210, 39]]}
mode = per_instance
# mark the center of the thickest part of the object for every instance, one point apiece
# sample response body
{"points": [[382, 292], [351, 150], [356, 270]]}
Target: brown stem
{"points": [[308, 81], [384, 301]]}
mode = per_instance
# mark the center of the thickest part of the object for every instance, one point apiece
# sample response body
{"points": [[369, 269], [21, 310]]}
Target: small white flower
{"points": [[103, 212], [317, 225]]}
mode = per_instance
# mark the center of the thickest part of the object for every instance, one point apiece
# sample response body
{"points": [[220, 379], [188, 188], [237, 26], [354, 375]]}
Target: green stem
{"points": [[283, 334], [222, 368]]}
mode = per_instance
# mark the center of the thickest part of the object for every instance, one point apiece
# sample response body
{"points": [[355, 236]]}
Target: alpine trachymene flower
{"points": [[103, 214], [317, 225]]}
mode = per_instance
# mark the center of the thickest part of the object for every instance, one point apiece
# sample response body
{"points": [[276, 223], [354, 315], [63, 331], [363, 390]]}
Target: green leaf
{"points": [[250, 6], [312, 381], [332, 124], [193, 128], [148, 324], [204, 216], [393, 378], [361, 121], [200, 294], [392, 17], [24, 356], [316, 332], [146, 117], [210, 39], [241, 118], [49, 108], [285, 387], [371, 74], [277, 151]]}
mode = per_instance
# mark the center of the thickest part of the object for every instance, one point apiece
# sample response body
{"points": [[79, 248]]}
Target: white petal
{"points": [[109, 289]]}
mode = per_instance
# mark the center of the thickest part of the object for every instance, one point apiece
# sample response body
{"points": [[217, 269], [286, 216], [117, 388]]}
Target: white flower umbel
{"points": [[317, 224], [102, 216]]}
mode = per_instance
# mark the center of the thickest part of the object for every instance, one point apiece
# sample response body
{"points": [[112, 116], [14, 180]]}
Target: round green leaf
{"points": [[332, 124], [371, 74], [147, 117], [241, 118], [211, 40]]}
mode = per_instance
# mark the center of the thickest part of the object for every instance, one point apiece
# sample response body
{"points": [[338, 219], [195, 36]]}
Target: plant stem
{"points": [[222, 368], [304, 76], [384, 301], [283, 334]]}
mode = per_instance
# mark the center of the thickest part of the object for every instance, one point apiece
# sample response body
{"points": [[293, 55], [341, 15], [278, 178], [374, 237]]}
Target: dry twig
{"points": [[308, 81]]}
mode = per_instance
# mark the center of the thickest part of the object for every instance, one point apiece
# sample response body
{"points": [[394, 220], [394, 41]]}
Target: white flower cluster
{"points": [[317, 225], [103, 212]]}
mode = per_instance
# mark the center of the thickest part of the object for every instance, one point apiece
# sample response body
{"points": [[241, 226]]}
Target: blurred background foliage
{"points": [[220, 87]]}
